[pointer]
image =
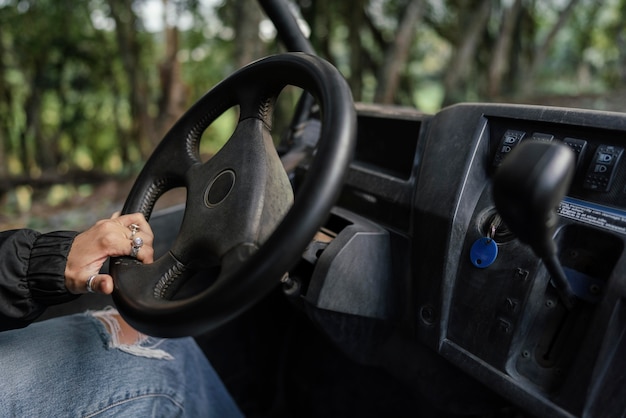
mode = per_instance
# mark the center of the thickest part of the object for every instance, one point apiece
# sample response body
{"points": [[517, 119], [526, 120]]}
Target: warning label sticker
{"points": [[592, 214]]}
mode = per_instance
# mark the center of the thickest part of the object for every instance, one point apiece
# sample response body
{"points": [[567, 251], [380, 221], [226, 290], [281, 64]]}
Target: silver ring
{"points": [[134, 228], [136, 245], [90, 283]]}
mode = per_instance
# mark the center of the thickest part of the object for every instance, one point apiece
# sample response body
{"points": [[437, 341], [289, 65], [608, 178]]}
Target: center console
{"points": [[505, 322]]}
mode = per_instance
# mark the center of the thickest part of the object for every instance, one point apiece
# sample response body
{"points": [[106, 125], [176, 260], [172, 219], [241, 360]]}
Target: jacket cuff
{"points": [[46, 268]]}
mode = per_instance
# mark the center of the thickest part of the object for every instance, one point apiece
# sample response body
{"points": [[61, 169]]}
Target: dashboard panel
{"points": [[427, 181]]}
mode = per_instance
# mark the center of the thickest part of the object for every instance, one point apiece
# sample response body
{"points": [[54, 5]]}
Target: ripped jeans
{"points": [[75, 366]]}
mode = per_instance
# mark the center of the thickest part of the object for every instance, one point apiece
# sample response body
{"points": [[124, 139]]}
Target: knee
{"points": [[125, 338]]}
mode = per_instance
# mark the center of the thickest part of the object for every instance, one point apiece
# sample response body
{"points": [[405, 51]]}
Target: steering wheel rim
{"points": [[141, 291]]}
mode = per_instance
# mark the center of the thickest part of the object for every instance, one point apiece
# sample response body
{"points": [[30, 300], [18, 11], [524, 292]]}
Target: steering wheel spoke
{"points": [[165, 170]]}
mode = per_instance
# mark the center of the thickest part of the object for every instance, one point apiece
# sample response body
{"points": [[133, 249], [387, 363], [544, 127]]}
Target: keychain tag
{"points": [[485, 250]]}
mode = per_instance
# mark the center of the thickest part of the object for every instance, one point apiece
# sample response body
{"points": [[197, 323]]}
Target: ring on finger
{"points": [[90, 280], [136, 245], [134, 228]]}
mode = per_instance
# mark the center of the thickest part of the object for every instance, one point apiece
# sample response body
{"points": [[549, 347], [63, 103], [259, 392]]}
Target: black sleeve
{"points": [[32, 274]]}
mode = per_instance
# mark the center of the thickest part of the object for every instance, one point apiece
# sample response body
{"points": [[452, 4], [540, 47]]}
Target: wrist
{"points": [[47, 267]]}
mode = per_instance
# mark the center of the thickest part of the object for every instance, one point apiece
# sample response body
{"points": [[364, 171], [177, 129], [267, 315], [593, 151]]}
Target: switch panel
{"points": [[600, 173]]}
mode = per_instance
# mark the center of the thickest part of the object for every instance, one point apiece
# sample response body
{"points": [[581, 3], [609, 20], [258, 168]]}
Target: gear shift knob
{"points": [[527, 188]]}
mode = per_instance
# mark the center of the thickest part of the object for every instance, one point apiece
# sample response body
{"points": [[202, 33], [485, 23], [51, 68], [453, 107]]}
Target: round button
{"points": [[219, 188]]}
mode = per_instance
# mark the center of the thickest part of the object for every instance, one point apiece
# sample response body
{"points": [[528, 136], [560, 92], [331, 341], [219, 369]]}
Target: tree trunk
{"points": [[5, 106], [502, 52], [174, 93], [30, 137], [248, 47], [141, 133], [397, 55], [321, 22], [353, 12], [458, 69], [541, 52]]}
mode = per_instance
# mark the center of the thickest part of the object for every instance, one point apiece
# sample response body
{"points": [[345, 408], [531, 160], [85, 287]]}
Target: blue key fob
{"points": [[484, 252]]}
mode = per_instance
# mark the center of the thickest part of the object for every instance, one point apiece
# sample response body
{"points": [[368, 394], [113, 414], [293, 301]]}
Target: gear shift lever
{"points": [[527, 188]]}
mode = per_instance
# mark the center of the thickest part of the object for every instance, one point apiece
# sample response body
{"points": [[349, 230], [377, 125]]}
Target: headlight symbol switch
{"points": [[510, 140], [602, 168]]}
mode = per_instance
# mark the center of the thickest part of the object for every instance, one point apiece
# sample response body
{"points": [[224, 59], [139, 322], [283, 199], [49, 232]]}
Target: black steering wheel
{"points": [[240, 208]]}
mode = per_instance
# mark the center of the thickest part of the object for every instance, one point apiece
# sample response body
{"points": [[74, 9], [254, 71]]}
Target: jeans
{"points": [[71, 367]]}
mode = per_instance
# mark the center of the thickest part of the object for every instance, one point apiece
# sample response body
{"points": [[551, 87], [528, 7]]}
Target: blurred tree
{"points": [[397, 54], [502, 57], [48, 54], [248, 17], [463, 27], [91, 86], [543, 46], [616, 34], [131, 44], [5, 114]]}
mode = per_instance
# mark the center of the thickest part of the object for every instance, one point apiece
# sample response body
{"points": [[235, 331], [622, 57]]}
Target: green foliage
{"points": [[59, 78], [82, 84]]}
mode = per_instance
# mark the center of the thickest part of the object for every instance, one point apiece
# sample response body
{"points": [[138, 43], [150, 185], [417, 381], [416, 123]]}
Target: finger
{"points": [[133, 218], [101, 283], [105, 284], [114, 241], [116, 214], [145, 253], [139, 221], [124, 230]]}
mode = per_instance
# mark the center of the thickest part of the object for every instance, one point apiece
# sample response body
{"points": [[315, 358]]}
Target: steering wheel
{"points": [[240, 209]]}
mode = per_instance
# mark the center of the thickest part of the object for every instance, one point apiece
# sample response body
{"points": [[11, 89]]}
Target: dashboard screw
{"points": [[427, 314], [594, 289]]}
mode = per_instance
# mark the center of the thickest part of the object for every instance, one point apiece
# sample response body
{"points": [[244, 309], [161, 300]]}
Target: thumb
{"points": [[102, 283]]}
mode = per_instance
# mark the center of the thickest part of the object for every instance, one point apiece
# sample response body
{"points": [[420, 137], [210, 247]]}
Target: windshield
{"points": [[88, 88]]}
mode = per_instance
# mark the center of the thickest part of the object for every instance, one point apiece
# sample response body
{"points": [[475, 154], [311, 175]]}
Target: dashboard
{"points": [[399, 270]]}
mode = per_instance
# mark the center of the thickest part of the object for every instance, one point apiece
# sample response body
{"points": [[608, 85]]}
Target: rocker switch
{"points": [[602, 168], [510, 140], [579, 146]]}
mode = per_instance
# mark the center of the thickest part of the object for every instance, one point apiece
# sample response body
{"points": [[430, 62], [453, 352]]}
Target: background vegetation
{"points": [[88, 87]]}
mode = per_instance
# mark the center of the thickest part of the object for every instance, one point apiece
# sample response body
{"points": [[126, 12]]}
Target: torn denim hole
{"points": [[144, 346]]}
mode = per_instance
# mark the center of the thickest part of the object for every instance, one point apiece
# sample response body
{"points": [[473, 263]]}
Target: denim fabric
{"points": [[68, 367]]}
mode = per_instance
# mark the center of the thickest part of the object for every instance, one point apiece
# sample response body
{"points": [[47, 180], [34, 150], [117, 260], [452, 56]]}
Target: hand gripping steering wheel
{"points": [[240, 207]]}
